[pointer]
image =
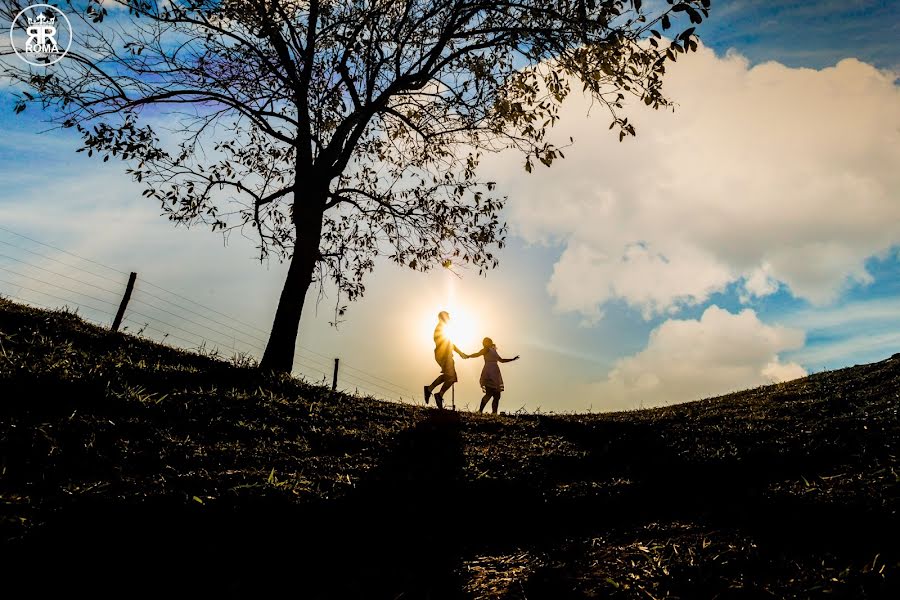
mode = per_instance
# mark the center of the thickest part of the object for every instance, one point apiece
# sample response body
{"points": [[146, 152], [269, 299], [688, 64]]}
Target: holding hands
{"points": [[484, 352]]}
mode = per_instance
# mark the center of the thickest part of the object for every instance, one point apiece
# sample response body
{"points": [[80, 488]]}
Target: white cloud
{"points": [[777, 371], [692, 359], [762, 175], [759, 283]]}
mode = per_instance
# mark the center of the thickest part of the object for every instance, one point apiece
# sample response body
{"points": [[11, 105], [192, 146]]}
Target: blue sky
{"points": [[636, 274], [807, 34]]}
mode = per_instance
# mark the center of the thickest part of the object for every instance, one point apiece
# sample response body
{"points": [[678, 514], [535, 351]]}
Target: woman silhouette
{"points": [[491, 380]]}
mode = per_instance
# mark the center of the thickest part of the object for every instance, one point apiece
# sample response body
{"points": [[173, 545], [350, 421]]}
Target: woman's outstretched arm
{"points": [[460, 352], [476, 355], [506, 360]]}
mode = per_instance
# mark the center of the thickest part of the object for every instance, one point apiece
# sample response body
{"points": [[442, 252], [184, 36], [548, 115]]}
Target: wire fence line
{"points": [[32, 275]]}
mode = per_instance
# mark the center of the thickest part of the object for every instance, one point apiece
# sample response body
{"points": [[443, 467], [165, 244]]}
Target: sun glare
{"points": [[472, 316], [463, 329]]}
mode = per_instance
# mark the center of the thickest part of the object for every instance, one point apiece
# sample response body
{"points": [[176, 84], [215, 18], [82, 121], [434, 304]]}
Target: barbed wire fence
{"points": [[43, 275]]}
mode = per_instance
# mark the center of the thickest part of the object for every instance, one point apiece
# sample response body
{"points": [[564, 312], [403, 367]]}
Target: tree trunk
{"points": [[279, 354]]}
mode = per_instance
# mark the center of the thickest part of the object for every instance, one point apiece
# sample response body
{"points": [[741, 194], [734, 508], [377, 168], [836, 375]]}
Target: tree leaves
{"points": [[375, 130]]}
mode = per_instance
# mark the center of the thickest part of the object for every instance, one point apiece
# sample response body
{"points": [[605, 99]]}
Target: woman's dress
{"points": [[490, 374]]}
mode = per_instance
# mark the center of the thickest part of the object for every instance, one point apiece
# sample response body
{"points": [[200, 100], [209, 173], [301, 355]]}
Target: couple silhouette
{"points": [[491, 379]]}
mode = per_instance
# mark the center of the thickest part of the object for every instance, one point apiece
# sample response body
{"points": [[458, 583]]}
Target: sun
{"points": [[470, 313], [463, 329]]}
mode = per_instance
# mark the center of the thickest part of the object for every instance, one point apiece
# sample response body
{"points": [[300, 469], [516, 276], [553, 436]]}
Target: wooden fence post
{"points": [[125, 298], [334, 379]]}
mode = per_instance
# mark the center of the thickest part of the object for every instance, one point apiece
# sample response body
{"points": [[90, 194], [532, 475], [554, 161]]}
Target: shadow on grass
{"points": [[406, 528], [396, 535]]}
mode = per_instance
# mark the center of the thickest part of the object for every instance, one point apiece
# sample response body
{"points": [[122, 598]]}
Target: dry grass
{"points": [[167, 468]]}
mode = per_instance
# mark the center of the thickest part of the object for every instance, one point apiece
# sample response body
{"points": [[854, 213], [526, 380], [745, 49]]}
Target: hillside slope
{"points": [[130, 468]]}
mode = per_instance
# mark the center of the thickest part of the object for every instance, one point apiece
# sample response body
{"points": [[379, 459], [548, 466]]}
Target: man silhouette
{"points": [[443, 355]]}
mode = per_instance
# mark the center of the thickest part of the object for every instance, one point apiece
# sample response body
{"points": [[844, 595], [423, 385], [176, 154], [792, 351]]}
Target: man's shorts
{"points": [[448, 367]]}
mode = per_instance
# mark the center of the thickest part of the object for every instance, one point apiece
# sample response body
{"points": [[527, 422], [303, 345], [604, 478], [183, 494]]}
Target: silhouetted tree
{"points": [[340, 130]]}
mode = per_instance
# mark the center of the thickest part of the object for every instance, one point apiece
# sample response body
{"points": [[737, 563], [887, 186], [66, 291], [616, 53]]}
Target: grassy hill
{"points": [[129, 468]]}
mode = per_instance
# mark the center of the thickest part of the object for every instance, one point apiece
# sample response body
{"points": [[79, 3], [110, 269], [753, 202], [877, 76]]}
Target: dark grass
{"points": [[134, 469]]}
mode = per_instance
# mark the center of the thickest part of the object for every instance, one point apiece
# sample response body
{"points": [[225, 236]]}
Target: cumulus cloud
{"points": [[692, 359], [762, 176], [760, 282]]}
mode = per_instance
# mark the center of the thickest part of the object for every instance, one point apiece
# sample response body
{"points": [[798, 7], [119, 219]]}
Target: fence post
{"points": [[334, 379], [125, 298]]}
